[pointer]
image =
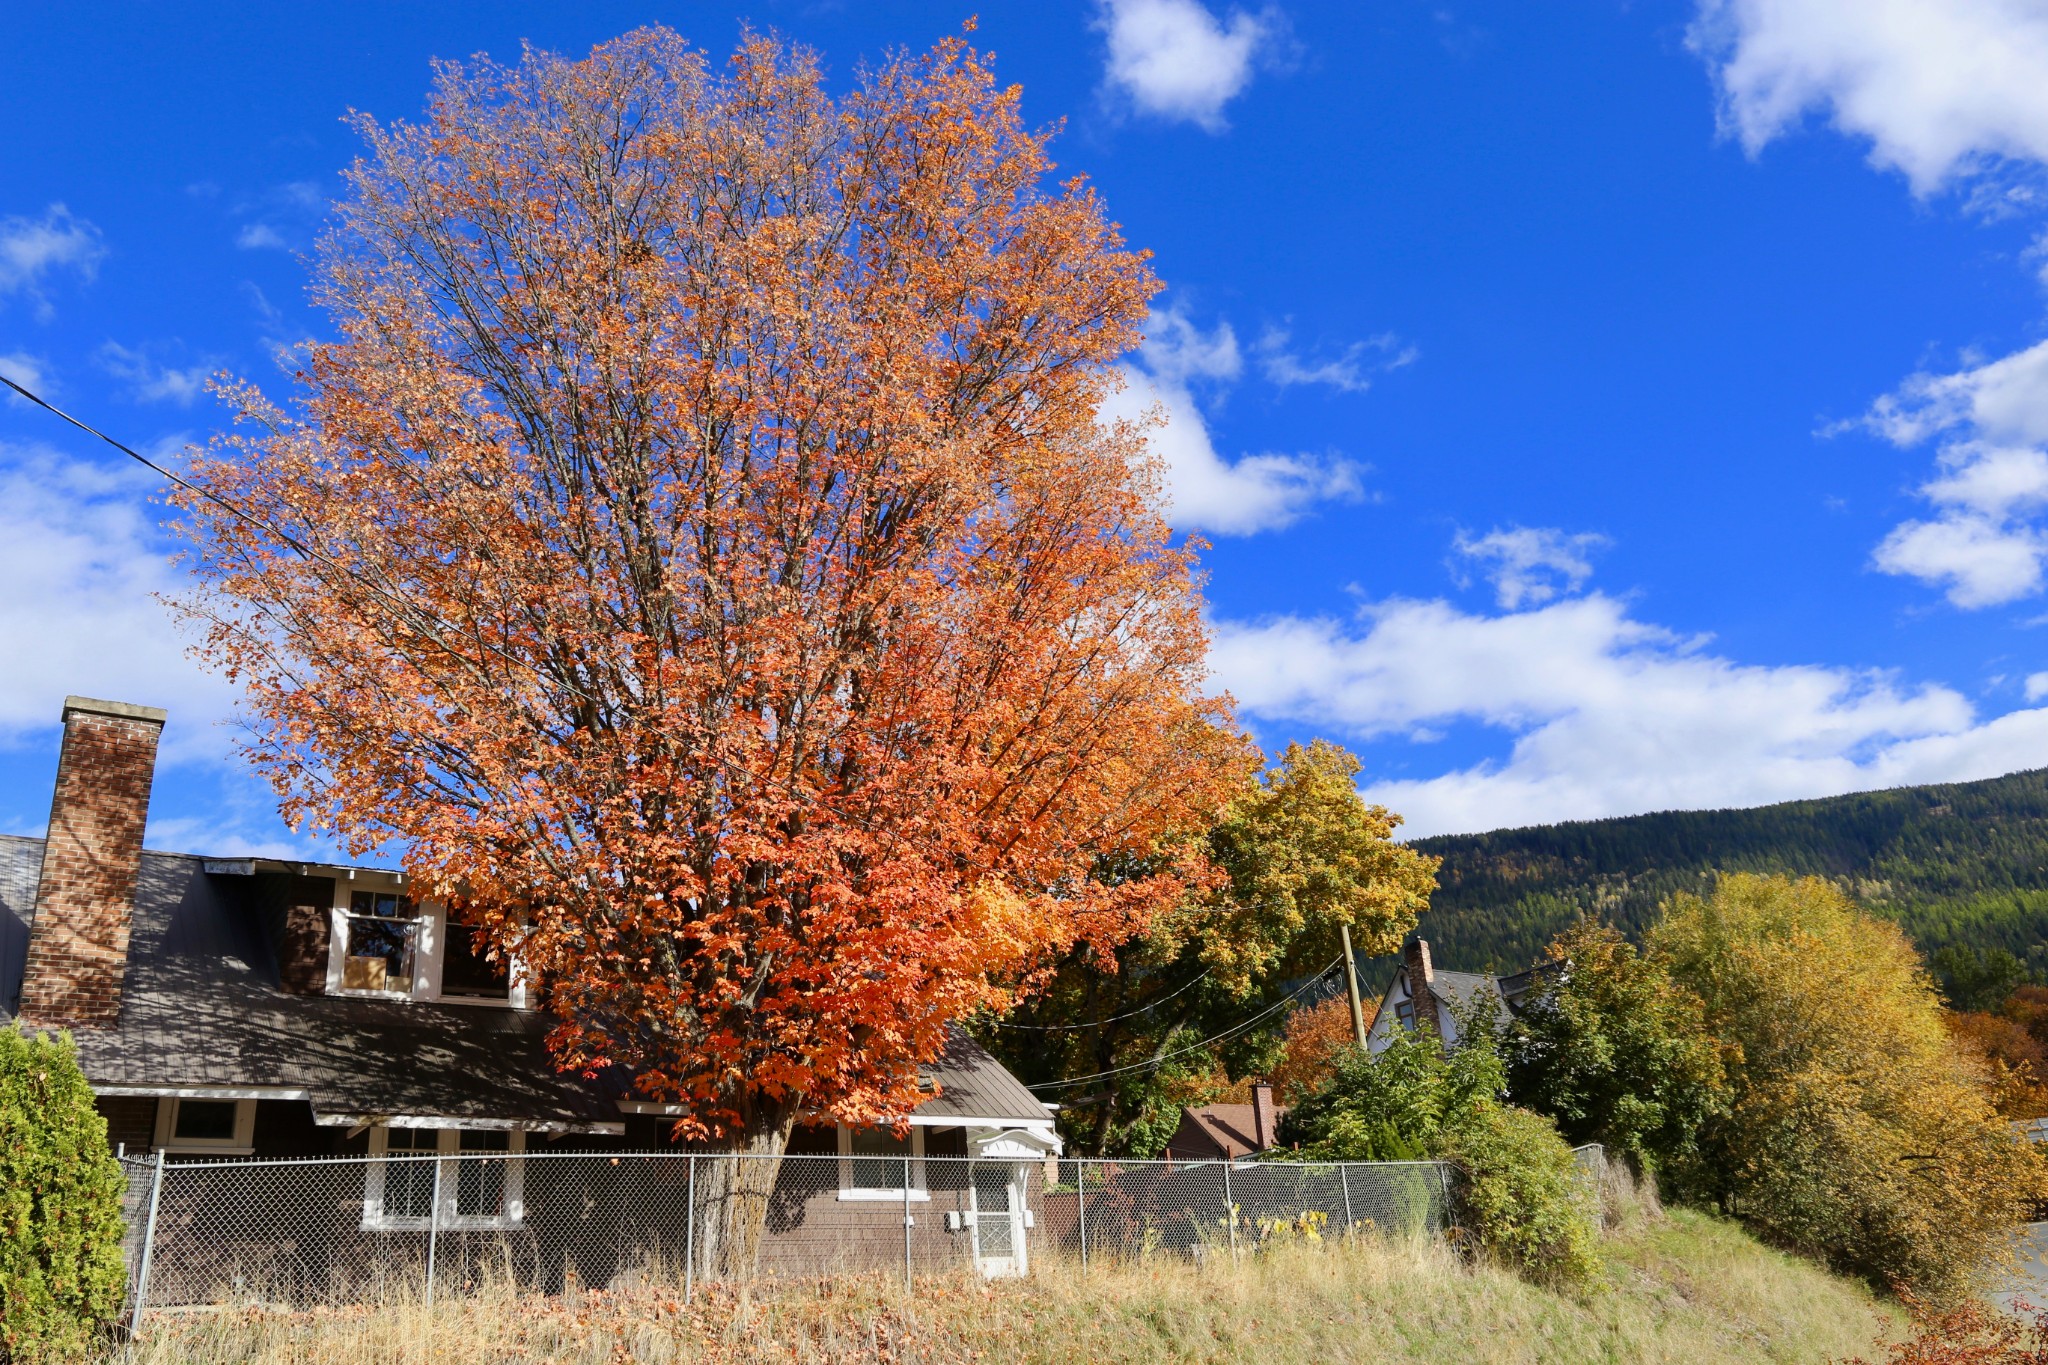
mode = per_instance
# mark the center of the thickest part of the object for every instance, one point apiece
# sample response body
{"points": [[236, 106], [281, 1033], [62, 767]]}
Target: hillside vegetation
{"points": [[1685, 1288], [1961, 865]]}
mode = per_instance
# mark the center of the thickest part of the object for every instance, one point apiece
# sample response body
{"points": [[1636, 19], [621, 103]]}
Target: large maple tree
{"points": [[699, 551]]}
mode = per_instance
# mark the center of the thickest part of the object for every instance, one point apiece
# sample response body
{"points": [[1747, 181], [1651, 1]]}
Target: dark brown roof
{"points": [[201, 1006], [1218, 1130]]}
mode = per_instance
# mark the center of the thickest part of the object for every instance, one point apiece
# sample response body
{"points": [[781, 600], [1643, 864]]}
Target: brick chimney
{"points": [[1421, 998], [1265, 1122], [85, 901]]}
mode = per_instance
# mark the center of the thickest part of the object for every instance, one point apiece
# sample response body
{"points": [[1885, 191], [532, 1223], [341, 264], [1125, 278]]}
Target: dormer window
{"points": [[383, 944], [380, 947]]}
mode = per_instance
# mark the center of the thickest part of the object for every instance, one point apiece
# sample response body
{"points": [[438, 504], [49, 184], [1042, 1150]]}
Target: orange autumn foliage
{"points": [[2015, 1061], [1316, 1037], [699, 552]]}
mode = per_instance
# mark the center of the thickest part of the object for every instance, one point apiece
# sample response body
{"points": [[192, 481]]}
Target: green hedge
{"points": [[62, 1278], [1523, 1201]]}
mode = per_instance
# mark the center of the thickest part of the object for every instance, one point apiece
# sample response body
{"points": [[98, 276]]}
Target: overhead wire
{"points": [[1153, 1063], [1098, 1023]]}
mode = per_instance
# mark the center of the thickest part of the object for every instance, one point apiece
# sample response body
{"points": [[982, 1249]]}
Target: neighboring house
{"points": [[1225, 1132], [1421, 995], [265, 1008]]}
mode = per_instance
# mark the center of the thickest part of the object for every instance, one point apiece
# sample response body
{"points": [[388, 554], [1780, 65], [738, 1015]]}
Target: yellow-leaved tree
{"points": [[1858, 1132]]}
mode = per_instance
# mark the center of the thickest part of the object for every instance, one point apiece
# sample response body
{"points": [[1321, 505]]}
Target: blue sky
{"points": [[1595, 406]]}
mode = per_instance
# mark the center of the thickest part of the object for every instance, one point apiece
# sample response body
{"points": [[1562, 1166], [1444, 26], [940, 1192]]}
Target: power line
{"points": [[1098, 1023], [1235, 1029]]}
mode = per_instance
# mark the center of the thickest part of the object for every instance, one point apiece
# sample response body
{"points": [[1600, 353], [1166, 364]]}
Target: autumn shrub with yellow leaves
{"points": [[1858, 1133]]}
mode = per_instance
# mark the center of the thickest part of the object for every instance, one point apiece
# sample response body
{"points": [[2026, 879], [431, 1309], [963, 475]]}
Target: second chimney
{"points": [[85, 899], [1265, 1123], [1420, 997]]}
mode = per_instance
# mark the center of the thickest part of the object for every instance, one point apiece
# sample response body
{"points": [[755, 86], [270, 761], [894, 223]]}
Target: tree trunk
{"points": [[735, 1181]]}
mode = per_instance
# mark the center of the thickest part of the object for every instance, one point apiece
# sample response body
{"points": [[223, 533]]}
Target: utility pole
{"points": [[1351, 984]]}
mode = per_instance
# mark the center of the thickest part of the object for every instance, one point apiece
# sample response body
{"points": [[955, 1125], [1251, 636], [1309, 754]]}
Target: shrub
{"points": [[1971, 1333], [1523, 1201], [1859, 1133], [62, 1277], [1616, 1051], [1394, 1104]]}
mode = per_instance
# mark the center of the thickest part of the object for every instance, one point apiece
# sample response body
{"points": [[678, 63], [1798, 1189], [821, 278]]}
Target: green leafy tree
{"points": [[1520, 1198], [62, 1277], [1300, 856], [1395, 1104], [1857, 1132], [1616, 1051], [1976, 978]]}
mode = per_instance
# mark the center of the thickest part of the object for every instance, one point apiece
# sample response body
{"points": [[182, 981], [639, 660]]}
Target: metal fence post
{"points": [[433, 1230], [156, 1189], [1081, 1194], [1230, 1207], [690, 1233], [1344, 1175], [906, 1224]]}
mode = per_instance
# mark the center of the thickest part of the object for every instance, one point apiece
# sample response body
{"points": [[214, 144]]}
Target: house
{"points": [[1422, 996], [267, 1008], [1225, 1132]]}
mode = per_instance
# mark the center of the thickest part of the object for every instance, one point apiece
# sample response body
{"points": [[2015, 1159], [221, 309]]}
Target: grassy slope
{"points": [[1689, 1288]]}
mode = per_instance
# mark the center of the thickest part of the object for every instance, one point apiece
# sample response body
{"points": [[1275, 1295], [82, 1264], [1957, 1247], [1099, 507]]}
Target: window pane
{"points": [[409, 1184], [480, 1178], [205, 1121], [878, 1158], [380, 953], [467, 972]]}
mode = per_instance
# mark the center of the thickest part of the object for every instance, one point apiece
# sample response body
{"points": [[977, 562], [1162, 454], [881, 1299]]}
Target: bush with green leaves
{"points": [[62, 1276], [1522, 1200]]}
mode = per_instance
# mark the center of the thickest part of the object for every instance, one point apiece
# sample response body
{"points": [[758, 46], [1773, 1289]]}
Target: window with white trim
{"points": [[221, 1127], [481, 1175], [379, 941], [872, 1162]]}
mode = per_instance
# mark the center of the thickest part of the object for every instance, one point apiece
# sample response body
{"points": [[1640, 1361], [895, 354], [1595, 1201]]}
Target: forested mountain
{"points": [[1963, 865]]}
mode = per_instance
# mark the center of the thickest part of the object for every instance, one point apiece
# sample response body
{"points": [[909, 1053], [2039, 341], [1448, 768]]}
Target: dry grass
{"points": [[1684, 1288]]}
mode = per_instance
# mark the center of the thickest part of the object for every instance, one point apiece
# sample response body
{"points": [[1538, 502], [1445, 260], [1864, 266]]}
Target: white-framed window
{"points": [[481, 1173], [1404, 1014], [219, 1127], [386, 946], [871, 1163], [379, 945]]}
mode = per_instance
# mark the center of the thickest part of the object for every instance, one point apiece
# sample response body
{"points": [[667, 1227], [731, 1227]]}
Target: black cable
{"points": [[1098, 1023], [1235, 1029]]}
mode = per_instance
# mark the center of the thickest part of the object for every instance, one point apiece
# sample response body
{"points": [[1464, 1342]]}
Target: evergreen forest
{"points": [[1962, 867]]}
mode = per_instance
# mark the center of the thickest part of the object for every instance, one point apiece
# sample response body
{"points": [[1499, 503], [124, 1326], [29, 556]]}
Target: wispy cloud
{"points": [[1256, 492], [29, 371], [259, 237], [1176, 60], [32, 249], [1530, 565], [1984, 546], [151, 381], [1351, 370], [1606, 714]]}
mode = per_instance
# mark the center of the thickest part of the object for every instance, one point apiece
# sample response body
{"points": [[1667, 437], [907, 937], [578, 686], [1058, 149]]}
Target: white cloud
{"points": [[84, 561], [1176, 60], [1226, 497], [1941, 89], [150, 381], [29, 371], [1982, 546], [1529, 565], [2037, 686], [1609, 715], [259, 237], [32, 248], [1351, 371]]}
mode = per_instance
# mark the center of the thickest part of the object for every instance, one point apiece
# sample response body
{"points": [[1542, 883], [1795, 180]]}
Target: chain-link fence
{"points": [[356, 1229]]}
